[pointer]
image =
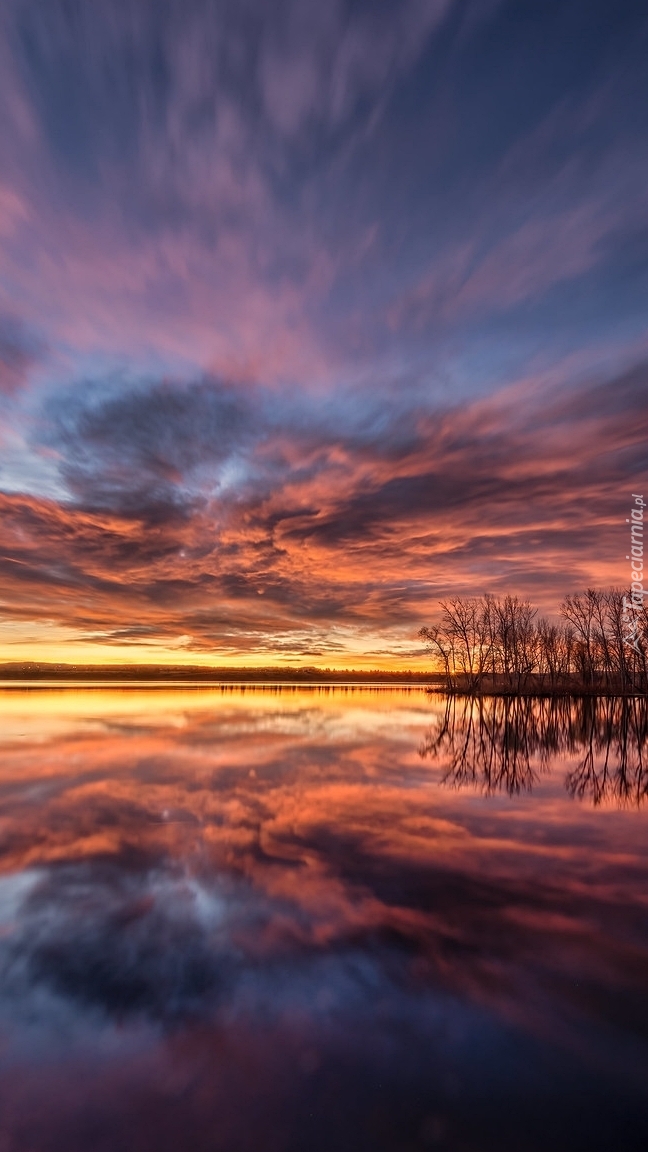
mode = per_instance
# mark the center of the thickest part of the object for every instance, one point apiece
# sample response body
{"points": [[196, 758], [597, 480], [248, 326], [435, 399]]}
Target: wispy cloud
{"points": [[256, 267]]}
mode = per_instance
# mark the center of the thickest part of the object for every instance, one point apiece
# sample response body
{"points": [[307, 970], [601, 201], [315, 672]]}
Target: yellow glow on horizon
{"points": [[53, 644]]}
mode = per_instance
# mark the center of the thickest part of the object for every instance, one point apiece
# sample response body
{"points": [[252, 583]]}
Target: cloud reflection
{"points": [[276, 880]]}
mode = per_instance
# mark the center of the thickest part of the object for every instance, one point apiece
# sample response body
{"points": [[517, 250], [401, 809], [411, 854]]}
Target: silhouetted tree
{"points": [[489, 643]]}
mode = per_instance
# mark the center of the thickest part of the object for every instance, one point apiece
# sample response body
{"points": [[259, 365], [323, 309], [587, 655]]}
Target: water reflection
{"points": [[252, 921], [505, 743]]}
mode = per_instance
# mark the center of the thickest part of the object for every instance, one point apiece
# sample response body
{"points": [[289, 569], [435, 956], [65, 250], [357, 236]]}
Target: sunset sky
{"points": [[312, 313]]}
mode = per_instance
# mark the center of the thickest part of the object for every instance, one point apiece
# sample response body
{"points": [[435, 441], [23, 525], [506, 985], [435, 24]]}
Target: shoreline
{"points": [[42, 684]]}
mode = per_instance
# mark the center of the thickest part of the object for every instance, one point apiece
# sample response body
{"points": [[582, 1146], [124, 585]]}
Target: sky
{"points": [[312, 315]]}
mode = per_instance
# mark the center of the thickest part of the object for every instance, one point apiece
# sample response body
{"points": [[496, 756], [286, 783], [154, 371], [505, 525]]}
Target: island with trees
{"points": [[500, 645]]}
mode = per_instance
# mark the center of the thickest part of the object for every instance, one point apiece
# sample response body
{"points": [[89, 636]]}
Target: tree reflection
{"points": [[505, 743]]}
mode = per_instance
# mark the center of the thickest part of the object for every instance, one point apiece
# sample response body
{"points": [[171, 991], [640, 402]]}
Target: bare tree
{"points": [[499, 644], [580, 610], [440, 643]]}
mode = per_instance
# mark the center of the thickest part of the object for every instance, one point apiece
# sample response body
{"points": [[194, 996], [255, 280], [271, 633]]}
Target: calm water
{"points": [[321, 920]]}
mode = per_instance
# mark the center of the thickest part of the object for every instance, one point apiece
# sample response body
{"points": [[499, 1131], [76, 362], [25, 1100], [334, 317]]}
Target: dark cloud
{"points": [[144, 449], [136, 449], [472, 462]]}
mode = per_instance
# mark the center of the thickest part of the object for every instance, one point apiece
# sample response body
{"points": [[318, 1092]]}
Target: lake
{"points": [[322, 919]]}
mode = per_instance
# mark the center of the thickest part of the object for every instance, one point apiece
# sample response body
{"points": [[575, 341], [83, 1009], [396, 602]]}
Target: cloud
{"points": [[196, 512], [212, 860], [135, 448], [19, 352], [247, 194], [273, 257], [317, 64]]}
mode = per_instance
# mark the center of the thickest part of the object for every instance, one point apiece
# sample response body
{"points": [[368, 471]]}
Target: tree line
{"points": [[501, 644]]}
